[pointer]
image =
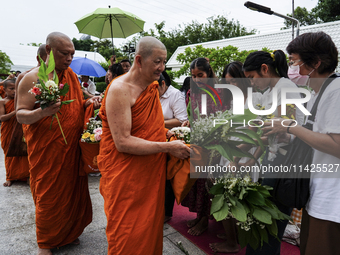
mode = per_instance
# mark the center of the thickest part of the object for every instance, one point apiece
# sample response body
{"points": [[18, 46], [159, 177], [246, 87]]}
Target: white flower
{"points": [[51, 85]]}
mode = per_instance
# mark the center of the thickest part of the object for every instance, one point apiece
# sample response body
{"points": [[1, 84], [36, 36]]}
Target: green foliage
{"points": [[301, 14], [34, 44], [104, 47], [218, 57], [327, 10], [216, 28], [84, 45], [101, 86], [5, 63], [324, 11]]}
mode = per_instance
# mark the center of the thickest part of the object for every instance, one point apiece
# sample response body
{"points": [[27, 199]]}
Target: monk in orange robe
{"points": [[16, 167], [132, 157], [59, 189]]}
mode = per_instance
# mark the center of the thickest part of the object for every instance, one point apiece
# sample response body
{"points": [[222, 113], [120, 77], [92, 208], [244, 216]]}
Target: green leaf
{"points": [[255, 198], [273, 212], [253, 135], [222, 149], [262, 216], [55, 77], [42, 70], [67, 101], [255, 238], [243, 237], [263, 234], [217, 189], [217, 203], [51, 64], [232, 200], [263, 191], [242, 136], [65, 89], [272, 228], [197, 111], [239, 212], [222, 214], [242, 193]]}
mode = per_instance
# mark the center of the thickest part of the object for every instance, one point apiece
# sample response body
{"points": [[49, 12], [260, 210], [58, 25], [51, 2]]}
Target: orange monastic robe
{"points": [[133, 186], [16, 167], [2, 92], [61, 195]]}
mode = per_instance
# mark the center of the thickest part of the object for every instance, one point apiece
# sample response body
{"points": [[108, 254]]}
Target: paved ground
{"points": [[17, 227]]}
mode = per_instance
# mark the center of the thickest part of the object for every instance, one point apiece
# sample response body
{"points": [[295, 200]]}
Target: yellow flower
{"points": [[92, 138], [270, 116], [292, 117], [285, 117], [86, 135]]}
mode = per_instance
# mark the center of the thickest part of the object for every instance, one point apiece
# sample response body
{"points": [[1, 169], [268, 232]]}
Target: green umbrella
{"points": [[110, 23]]}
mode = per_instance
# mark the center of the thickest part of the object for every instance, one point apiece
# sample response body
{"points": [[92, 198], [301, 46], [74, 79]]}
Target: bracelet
{"points": [[293, 121]]}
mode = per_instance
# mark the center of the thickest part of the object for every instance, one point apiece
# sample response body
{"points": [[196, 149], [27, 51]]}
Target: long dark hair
{"points": [[276, 62], [234, 69], [203, 64]]}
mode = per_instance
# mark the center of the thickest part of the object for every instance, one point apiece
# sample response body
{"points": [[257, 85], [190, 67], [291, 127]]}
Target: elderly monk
{"points": [[132, 157], [59, 189]]}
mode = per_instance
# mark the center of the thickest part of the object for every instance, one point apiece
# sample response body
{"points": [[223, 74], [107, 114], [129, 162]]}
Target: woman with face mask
{"points": [[315, 56], [268, 72]]}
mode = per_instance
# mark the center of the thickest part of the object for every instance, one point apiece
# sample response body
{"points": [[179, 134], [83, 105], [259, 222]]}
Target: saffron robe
{"points": [[133, 186], [16, 167], [60, 193]]}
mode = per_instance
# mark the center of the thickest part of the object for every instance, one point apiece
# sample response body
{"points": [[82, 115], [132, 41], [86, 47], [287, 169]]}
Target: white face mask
{"points": [[295, 76]]}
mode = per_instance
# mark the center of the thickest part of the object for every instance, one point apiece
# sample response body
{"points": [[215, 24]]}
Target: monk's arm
{"points": [[118, 108], [26, 114], [3, 116]]}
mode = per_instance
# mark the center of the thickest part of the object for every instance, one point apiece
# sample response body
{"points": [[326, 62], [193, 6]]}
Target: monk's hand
{"points": [[52, 109], [96, 101], [169, 134], [185, 124], [179, 149]]}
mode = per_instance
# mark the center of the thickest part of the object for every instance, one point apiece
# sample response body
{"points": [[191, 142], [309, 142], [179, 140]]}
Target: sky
{"points": [[27, 21]]}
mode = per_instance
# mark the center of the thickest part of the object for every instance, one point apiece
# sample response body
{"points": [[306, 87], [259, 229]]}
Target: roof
{"points": [[24, 57], [273, 41]]}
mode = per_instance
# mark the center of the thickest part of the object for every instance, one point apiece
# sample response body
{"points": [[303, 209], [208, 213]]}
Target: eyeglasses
{"points": [[292, 62]]}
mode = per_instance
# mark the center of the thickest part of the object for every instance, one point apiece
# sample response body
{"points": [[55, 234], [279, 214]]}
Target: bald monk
{"points": [[2, 90], [132, 157], [60, 192], [16, 167]]}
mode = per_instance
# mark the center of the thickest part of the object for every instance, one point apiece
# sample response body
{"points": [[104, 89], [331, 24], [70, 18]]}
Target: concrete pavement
{"points": [[17, 224]]}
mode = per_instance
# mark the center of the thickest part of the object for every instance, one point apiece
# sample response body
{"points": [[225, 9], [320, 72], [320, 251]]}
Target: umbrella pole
{"points": [[113, 47]]}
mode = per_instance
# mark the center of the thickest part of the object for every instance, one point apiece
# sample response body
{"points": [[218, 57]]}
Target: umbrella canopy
{"points": [[85, 66], [110, 23]]}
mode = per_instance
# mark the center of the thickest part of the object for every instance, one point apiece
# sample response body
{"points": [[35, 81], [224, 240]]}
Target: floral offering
{"points": [[182, 133], [93, 131], [249, 203], [47, 91]]}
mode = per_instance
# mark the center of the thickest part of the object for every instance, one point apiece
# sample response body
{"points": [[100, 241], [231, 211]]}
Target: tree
{"points": [[216, 28], [34, 44], [84, 45], [5, 63], [301, 14], [327, 10], [218, 57], [324, 11]]}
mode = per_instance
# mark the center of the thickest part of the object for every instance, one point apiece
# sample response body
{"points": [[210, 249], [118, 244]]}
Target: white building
{"points": [[273, 41], [24, 57]]}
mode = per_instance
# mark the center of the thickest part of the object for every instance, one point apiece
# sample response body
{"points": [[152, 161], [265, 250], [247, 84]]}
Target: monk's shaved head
{"points": [[53, 39], [42, 52], [147, 44]]}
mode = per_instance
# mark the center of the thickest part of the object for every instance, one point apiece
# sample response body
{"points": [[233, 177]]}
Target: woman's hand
{"points": [[277, 125], [185, 124]]}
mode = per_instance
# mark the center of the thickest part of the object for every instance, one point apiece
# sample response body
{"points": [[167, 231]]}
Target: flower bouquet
{"points": [[89, 142], [273, 140], [249, 203], [214, 133], [48, 91], [182, 133]]}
